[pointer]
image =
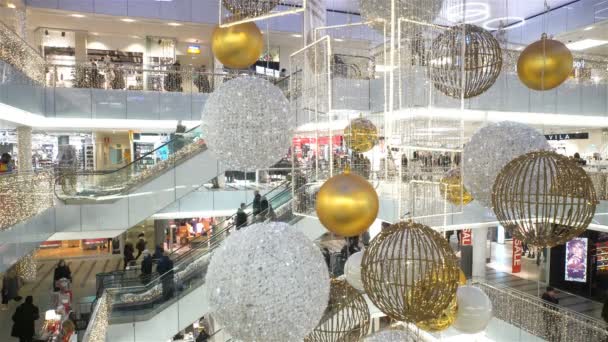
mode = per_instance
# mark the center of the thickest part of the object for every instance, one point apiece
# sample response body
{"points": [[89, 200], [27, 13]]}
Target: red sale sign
{"points": [[466, 238], [517, 252]]}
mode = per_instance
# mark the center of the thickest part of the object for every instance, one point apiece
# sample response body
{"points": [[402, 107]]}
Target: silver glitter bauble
{"points": [[391, 335], [490, 149], [379, 11], [247, 124], [268, 282]]}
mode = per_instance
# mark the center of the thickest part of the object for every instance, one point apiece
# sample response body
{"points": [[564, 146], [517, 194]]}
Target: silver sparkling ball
{"points": [[247, 124], [268, 282], [379, 11], [490, 149]]}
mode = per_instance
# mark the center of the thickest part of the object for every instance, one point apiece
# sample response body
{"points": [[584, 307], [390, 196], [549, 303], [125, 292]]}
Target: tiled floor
{"points": [[83, 284]]}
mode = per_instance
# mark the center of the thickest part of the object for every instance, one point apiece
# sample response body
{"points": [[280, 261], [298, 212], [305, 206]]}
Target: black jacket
{"points": [[141, 245], [146, 265], [257, 204], [62, 272], [23, 320], [241, 219]]}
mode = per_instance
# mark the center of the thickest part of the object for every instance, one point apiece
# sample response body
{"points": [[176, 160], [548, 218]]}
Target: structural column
{"points": [[480, 240], [24, 148]]}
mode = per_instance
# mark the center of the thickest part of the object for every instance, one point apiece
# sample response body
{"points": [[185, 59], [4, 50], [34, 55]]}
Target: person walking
{"points": [[128, 254], [61, 271], [146, 267], [24, 318], [241, 217], [165, 270], [140, 245], [11, 283], [257, 203]]}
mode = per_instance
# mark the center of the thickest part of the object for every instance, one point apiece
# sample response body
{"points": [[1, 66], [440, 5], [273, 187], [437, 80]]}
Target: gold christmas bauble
{"points": [[544, 64], [238, 46], [444, 321], [361, 135], [347, 204], [463, 278], [453, 190]]}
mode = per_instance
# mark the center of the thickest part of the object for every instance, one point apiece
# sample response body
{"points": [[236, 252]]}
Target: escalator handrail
{"points": [[177, 257]]}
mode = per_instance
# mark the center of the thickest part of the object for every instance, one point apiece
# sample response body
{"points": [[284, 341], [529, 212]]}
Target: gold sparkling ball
{"points": [[447, 316], [347, 204], [463, 279], [544, 64], [361, 135], [410, 272], [453, 190], [238, 46]]}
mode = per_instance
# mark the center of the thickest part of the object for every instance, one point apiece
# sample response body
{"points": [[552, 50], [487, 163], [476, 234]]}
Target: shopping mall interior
{"points": [[304, 170]]}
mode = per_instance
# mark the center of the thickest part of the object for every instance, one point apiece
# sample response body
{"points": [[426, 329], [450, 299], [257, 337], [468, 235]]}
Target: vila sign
{"points": [[466, 238], [517, 252], [567, 136]]}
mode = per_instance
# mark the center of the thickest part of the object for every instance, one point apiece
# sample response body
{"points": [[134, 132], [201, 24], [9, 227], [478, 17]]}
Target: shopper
{"points": [[580, 161], [11, 283], [264, 205], [158, 253], [128, 254], [6, 163], [146, 267], [241, 217], [23, 320], [551, 315], [61, 271], [257, 203], [165, 270], [140, 245]]}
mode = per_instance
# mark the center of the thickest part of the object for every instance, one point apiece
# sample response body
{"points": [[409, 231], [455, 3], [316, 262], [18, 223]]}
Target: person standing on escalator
{"points": [[257, 203], [140, 245], [241, 217], [146, 267], [165, 270]]}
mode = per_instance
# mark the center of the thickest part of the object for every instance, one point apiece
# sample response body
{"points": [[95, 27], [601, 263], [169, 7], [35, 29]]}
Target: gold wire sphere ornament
{"points": [[410, 273], [453, 190], [462, 280], [544, 64], [347, 204], [482, 61], [544, 199], [346, 318], [250, 8], [361, 135], [444, 321], [238, 46]]}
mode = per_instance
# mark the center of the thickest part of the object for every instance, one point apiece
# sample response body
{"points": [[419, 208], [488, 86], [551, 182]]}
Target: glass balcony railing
{"points": [[134, 298], [98, 185]]}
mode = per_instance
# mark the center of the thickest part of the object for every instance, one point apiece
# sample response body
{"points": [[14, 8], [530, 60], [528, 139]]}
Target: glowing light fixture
{"points": [[127, 20], [473, 12], [588, 28], [76, 15], [174, 24], [585, 44], [11, 5], [494, 24]]}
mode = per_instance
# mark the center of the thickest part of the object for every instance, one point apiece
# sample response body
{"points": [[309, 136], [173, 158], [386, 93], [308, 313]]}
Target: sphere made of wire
{"points": [[544, 199], [250, 8], [482, 61], [378, 12], [346, 317], [361, 135], [410, 272], [452, 188]]}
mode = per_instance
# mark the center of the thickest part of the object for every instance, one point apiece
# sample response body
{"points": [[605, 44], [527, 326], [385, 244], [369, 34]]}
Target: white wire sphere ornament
{"points": [[352, 271], [247, 124], [490, 149], [268, 282], [391, 335]]}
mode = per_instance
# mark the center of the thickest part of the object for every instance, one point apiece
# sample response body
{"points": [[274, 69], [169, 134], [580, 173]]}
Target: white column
{"points": [[480, 239], [24, 148]]}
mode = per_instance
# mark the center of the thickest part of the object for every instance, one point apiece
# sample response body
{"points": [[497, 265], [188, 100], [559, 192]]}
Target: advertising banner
{"points": [[576, 260], [466, 239], [517, 252]]}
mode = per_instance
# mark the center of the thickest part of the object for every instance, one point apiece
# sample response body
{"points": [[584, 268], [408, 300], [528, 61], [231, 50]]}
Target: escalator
{"points": [[108, 202], [157, 310]]}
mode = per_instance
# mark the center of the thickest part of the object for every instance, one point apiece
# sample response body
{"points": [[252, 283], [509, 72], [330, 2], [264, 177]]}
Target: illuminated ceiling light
{"points": [[472, 12], [174, 24], [519, 21], [128, 20], [11, 5], [94, 33], [338, 39], [585, 44], [297, 35], [588, 28], [75, 15]]}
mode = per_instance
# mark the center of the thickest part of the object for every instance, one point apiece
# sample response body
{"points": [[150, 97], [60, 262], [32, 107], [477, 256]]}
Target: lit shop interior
{"points": [[304, 170]]}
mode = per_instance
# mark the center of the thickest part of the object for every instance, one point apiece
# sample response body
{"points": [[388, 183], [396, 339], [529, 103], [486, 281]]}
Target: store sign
{"points": [[576, 260], [466, 238], [194, 50], [517, 253], [567, 136]]}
